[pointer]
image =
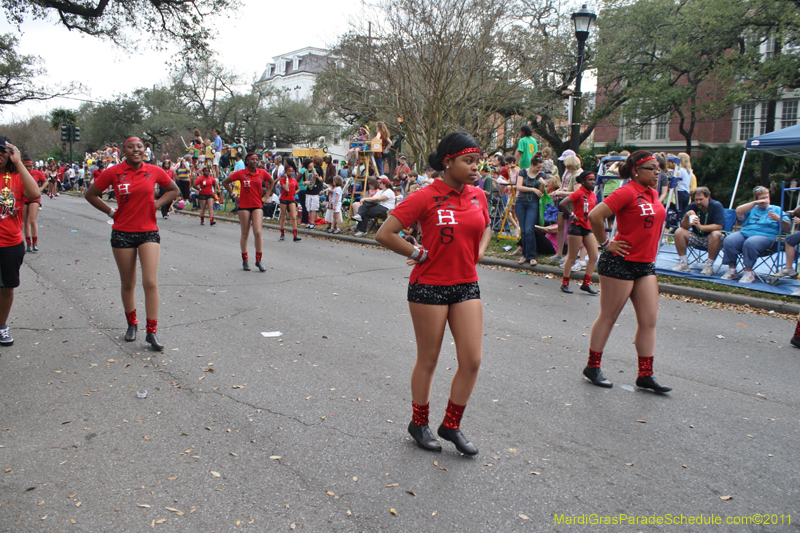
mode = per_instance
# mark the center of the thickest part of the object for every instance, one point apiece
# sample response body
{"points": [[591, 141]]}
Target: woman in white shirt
{"points": [[377, 206]]}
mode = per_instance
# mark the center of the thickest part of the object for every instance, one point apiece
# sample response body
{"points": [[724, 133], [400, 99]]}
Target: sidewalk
{"points": [[665, 288]]}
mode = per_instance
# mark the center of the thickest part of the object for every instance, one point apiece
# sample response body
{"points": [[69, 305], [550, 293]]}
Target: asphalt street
{"points": [[306, 431]]}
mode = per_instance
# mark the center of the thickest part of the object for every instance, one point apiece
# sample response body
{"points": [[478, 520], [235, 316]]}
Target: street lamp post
{"points": [[582, 19]]}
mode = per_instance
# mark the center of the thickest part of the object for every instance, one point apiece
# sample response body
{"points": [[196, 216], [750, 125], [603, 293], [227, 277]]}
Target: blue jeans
{"points": [[528, 216], [379, 164], [751, 248]]}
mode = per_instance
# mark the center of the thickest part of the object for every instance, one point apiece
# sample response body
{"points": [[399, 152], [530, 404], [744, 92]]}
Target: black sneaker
{"points": [[34, 248], [297, 239], [202, 223], [281, 239], [28, 248], [5, 338], [212, 223], [245, 265]]}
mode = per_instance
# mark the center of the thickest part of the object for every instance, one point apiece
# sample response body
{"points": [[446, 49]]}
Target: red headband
{"points": [[465, 151], [132, 139], [251, 156], [27, 161], [648, 158]]}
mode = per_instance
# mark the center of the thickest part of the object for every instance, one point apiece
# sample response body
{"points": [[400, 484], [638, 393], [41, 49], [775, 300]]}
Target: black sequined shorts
{"points": [[126, 239], [615, 266], [578, 230], [205, 196], [443, 294]]}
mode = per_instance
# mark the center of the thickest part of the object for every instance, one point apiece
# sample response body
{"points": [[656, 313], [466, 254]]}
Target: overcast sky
{"points": [[246, 43]]}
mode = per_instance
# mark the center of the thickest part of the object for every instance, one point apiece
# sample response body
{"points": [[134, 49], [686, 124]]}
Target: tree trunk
{"points": [[766, 159]]}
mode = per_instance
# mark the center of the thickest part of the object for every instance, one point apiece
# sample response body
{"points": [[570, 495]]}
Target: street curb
{"points": [[665, 288]]}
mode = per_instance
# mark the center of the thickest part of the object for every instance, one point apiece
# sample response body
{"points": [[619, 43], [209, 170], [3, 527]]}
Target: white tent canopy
{"points": [[782, 143]]}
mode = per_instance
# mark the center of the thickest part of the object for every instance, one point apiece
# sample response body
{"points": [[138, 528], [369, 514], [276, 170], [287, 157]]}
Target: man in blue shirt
{"points": [[217, 145], [701, 229]]}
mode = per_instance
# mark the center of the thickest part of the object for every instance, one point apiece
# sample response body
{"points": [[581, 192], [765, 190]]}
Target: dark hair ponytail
{"points": [[450, 144], [625, 170]]}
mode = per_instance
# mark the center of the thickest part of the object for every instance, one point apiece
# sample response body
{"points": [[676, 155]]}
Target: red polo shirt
{"points": [[640, 217], [250, 195], [452, 226], [583, 201], [206, 185], [288, 188], [135, 193], [11, 203]]}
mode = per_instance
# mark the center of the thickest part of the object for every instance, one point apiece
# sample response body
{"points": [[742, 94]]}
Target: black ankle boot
{"points": [[456, 437], [566, 289], [245, 265], [153, 340], [424, 437], [589, 289], [130, 335], [649, 382], [596, 376], [261, 267]]}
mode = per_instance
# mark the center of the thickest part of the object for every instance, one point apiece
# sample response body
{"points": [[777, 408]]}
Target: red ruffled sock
{"points": [[587, 279], [797, 329], [282, 232], [28, 241], [565, 281], [152, 325], [594, 359], [420, 416], [202, 219], [244, 256], [258, 256], [452, 417], [36, 240], [294, 232], [131, 318], [645, 366]]}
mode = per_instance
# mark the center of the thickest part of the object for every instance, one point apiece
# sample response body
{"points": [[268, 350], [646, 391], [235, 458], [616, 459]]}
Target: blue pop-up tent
{"points": [[783, 143]]}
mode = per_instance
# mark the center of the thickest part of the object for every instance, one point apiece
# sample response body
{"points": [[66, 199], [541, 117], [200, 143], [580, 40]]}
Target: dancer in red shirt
{"points": [[135, 232], [288, 192], [579, 204], [443, 286], [16, 185], [206, 186], [253, 182], [31, 210], [627, 266]]}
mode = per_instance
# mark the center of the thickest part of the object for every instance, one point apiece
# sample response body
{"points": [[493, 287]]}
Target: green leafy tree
{"points": [[112, 121], [693, 59]]}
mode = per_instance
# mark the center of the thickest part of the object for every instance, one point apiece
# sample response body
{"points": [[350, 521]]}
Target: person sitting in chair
{"points": [[701, 228], [761, 224], [377, 206], [791, 249]]}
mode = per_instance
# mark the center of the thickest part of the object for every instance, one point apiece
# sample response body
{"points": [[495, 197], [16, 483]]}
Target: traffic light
{"points": [[158, 147], [76, 133], [65, 133]]}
